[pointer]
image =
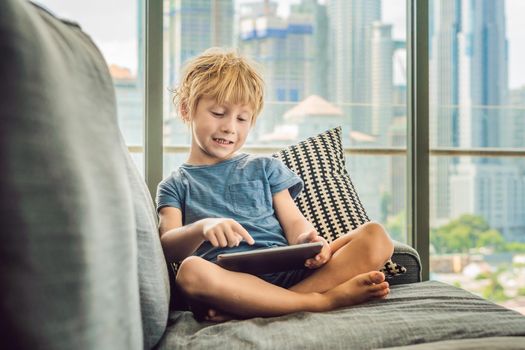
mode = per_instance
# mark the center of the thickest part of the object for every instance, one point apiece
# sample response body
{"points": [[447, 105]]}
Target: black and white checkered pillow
{"points": [[329, 200]]}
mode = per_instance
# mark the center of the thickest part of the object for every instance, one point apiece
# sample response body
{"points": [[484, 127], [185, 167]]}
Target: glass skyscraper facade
{"points": [[469, 82]]}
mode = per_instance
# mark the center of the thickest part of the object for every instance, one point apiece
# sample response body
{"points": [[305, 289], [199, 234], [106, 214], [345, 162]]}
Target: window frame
{"points": [[418, 211], [153, 91]]}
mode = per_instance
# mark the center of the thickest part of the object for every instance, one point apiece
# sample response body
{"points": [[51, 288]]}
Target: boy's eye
{"points": [[218, 114], [242, 119]]}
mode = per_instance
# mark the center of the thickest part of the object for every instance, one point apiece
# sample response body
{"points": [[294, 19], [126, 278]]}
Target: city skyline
{"points": [[118, 43], [468, 67]]}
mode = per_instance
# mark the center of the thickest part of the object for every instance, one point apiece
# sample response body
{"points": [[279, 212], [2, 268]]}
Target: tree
{"points": [[492, 239], [494, 290], [467, 231], [516, 247], [396, 226]]}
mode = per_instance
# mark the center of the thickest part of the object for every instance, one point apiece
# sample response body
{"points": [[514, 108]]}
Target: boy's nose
{"points": [[229, 126]]}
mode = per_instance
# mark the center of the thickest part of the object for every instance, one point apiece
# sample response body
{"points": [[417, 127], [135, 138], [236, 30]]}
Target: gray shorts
{"points": [[286, 279]]}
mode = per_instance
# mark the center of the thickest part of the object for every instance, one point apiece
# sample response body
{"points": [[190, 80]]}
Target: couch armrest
{"points": [[409, 258]]}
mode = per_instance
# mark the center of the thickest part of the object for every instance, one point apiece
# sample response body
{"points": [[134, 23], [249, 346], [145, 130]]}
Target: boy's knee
{"points": [[379, 239], [372, 227], [376, 231], [192, 275]]}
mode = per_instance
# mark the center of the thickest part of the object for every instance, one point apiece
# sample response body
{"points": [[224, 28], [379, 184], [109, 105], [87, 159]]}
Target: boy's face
{"points": [[218, 131]]}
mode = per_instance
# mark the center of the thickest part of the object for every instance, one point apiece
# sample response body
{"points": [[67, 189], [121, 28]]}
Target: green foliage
{"points": [[466, 232], [521, 292], [497, 295], [494, 290], [491, 238], [483, 276], [396, 226], [515, 247]]}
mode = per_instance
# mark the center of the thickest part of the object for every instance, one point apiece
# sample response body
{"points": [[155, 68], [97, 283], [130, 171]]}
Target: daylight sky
{"points": [[112, 25]]}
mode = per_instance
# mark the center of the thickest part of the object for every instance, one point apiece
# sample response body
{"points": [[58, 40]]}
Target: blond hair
{"points": [[223, 75]]}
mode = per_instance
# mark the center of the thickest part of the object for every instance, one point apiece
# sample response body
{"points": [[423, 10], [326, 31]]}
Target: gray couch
{"points": [[81, 265]]}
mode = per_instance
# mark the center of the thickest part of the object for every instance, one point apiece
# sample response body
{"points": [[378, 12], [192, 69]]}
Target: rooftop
{"points": [[312, 105], [118, 72]]}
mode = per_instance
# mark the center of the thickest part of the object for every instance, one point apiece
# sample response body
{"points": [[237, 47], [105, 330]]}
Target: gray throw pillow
{"points": [[80, 262]]}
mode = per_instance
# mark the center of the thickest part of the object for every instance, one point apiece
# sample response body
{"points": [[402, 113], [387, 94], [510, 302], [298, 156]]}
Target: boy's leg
{"points": [[364, 249], [245, 295]]}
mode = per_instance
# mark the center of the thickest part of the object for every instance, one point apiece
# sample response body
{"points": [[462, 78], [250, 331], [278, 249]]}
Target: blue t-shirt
{"points": [[239, 188]]}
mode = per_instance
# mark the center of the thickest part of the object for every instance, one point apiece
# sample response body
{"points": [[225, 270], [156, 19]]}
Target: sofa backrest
{"points": [[80, 261]]}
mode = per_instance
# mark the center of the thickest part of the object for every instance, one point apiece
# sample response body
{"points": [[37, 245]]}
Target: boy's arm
{"points": [[298, 229], [179, 242], [290, 217]]}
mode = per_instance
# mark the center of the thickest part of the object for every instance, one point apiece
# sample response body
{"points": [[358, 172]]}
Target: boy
{"points": [[224, 201]]}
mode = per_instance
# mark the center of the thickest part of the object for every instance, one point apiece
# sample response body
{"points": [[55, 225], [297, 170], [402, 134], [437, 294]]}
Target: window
{"points": [[325, 64], [477, 104], [119, 38]]}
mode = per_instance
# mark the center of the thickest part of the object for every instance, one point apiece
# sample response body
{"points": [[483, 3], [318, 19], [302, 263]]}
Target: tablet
{"points": [[267, 260]]}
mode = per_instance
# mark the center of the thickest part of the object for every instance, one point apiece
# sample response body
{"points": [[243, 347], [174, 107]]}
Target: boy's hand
{"points": [[224, 232], [321, 258]]}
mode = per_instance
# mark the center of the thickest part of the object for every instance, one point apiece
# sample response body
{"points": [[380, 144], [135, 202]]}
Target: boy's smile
{"points": [[222, 141], [218, 131]]}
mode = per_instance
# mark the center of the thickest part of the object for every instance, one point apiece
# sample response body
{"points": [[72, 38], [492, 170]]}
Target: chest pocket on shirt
{"points": [[249, 198]]}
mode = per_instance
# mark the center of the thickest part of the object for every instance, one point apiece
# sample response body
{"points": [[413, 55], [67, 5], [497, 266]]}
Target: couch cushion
{"points": [[329, 200], [407, 257], [152, 267], [412, 314], [69, 266]]}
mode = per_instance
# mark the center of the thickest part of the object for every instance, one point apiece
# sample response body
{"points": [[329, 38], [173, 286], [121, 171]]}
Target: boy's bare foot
{"points": [[363, 287]]}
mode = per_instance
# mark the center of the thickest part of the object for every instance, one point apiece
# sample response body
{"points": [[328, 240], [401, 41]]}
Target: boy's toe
{"points": [[376, 277]]}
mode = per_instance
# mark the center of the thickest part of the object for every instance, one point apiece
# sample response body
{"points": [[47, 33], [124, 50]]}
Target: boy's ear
{"points": [[184, 112]]}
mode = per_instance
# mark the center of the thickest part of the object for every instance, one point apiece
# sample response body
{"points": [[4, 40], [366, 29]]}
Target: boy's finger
{"points": [[243, 233], [246, 236], [238, 237], [231, 237], [222, 240], [309, 262], [213, 240], [314, 265]]}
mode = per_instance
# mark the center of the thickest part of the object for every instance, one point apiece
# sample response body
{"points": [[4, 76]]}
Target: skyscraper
{"points": [[286, 49], [194, 26], [482, 77], [485, 186], [381, 80], [350, 33], [516, 116], [191, 27], [443, 99], [319, 15]]}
